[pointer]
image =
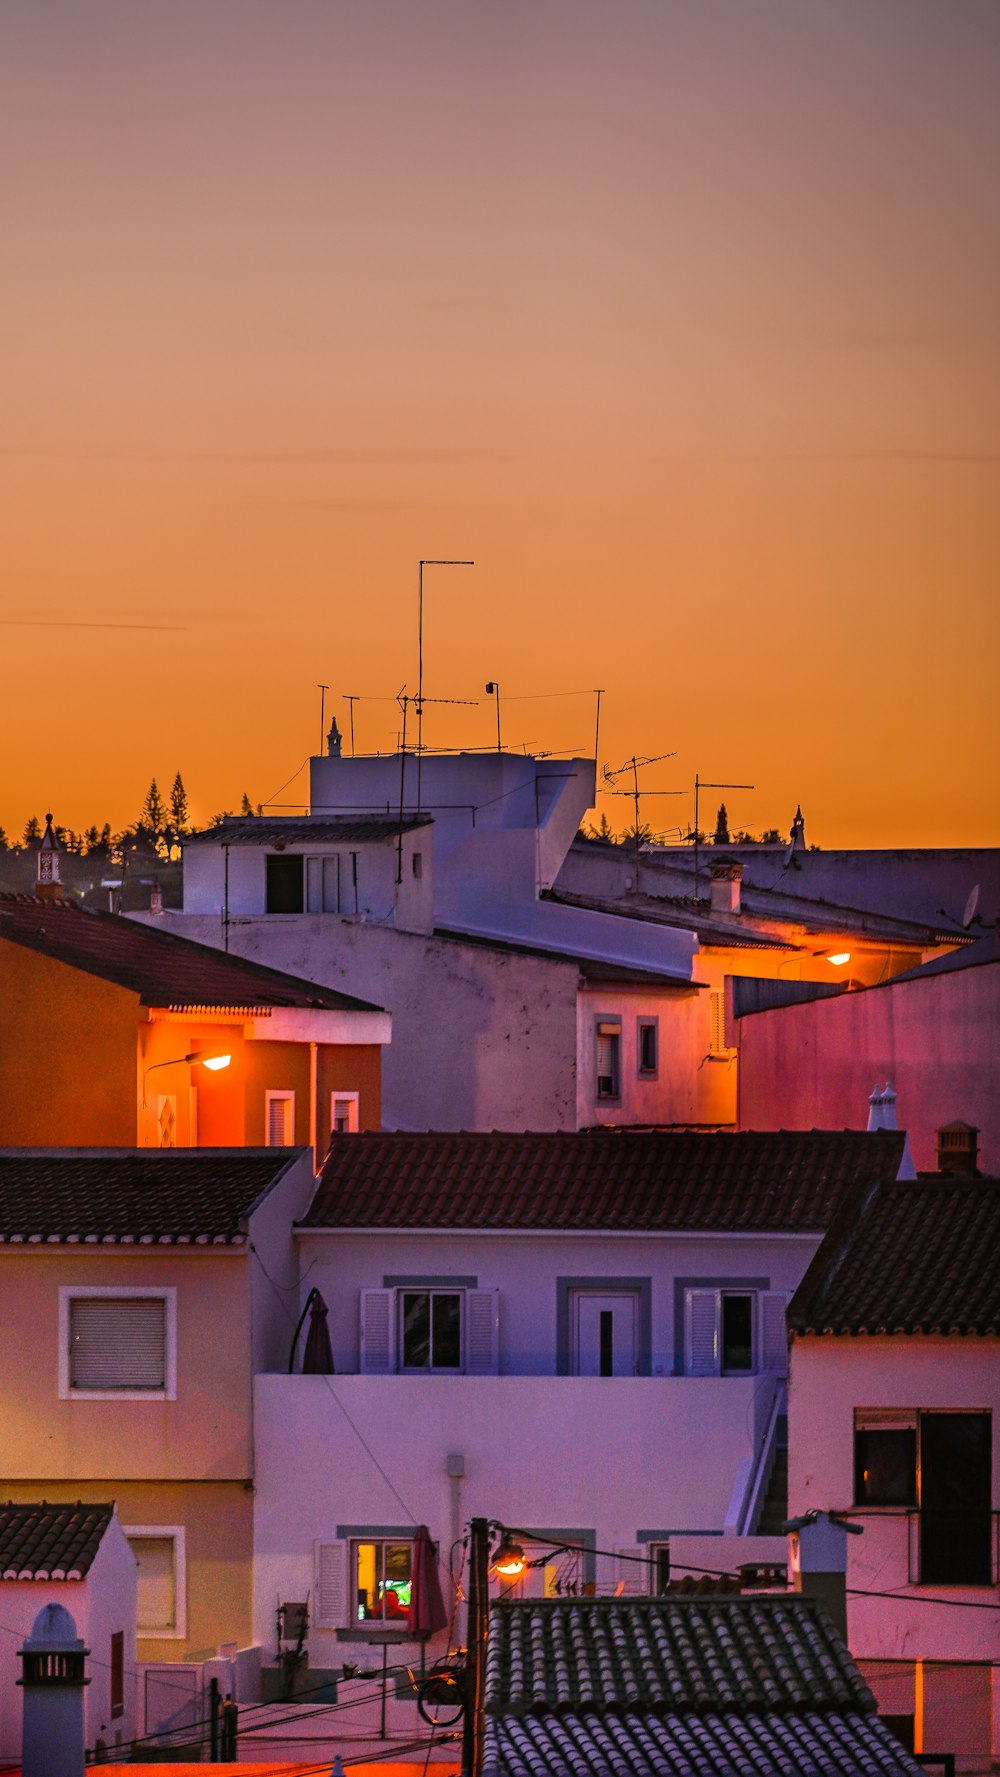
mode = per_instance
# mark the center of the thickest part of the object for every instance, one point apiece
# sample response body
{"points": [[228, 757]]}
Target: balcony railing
{"points": [[956, 1548]]}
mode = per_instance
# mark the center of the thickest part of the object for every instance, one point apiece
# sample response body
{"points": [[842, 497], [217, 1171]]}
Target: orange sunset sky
{"points": [[681, 318]]}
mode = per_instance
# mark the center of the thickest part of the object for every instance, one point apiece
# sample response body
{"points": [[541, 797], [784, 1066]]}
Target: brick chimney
{"points": [[726, 875], [958, 1149]]}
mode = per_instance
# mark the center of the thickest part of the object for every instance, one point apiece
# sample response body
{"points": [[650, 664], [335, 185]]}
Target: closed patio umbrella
{"points": [[317, 1358], [427, 1613]]}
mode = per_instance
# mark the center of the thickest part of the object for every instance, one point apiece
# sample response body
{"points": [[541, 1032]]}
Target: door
{"points": [[606, 1333], [955, 1499]]}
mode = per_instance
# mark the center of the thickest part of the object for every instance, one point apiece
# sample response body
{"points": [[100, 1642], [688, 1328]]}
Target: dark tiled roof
{"points": [[916, 1257], [727, 1745], [601, 1180], [163, 970], [304, 830], [50, 1542], [187, 1196], [699, 1686]]}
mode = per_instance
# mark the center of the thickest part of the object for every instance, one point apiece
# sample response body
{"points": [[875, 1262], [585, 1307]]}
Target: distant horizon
{"points": [[681, 322]]}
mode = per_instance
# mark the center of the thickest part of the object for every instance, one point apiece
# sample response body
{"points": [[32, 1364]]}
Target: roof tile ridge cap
{"points": [[848, 1222]]}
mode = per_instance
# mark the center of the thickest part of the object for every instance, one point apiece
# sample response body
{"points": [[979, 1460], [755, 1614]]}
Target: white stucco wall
{"points": [[210, 885], [616, 1457], [829, 1378], [525, 1268], [481, 1038], [100, 1604]]}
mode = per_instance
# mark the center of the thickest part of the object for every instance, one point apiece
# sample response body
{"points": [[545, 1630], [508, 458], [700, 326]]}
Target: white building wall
{"points": [[526, 1268], [829, 1379], [218, 877], [481, 1038], [613, 1457], [100, 1604]]}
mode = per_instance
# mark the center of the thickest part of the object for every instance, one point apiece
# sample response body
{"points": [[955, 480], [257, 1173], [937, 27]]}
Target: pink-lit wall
{"points": [[813, 1066]]}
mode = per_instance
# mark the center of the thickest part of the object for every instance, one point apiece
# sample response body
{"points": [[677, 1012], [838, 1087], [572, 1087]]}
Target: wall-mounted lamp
{"points": [[197, 1057], [838, 958]]}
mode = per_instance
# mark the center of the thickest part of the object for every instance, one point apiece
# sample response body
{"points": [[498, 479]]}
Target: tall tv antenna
{"points": [[700, 785], [635, 765], [351, 699]]}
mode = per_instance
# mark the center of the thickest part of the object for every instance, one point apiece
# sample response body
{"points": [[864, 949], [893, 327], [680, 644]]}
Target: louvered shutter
{"points": [[773, 1336], [482, 1332], [378, 1356], [701, 1332], [632, 1571], [717, 1013], [330, 1592], [117, 1342]]}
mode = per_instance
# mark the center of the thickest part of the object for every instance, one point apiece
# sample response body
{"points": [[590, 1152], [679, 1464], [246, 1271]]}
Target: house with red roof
{"points": [[894, 1422], [118, 1035], [580, 1335]]}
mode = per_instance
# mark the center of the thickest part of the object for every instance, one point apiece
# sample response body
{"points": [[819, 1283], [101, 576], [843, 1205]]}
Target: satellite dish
{"points": [[970, 907]]}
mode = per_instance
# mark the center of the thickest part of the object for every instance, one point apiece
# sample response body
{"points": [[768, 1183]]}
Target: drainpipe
{"points": [[313, 1106]]}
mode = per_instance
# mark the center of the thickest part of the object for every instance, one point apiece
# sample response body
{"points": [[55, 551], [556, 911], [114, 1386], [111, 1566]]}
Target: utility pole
{"points": [[322, 689], [478, 1629], [352, 701]]}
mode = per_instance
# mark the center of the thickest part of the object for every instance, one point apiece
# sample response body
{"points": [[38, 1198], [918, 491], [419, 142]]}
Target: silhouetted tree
{"points": [[153, 814], [722, 826], [178, 806], [32, 831]]}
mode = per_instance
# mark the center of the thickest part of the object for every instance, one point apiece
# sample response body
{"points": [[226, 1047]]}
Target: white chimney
{"points": [[882, 1115], [53, 1680], [726, 880]]}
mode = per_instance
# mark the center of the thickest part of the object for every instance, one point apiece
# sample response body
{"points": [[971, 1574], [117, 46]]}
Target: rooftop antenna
{"points": [[322, 689], [442, 562], [699, 785], [348, 699], [633, 765], [598, 693]]}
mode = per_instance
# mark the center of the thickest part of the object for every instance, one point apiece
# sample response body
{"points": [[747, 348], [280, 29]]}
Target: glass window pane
{"points": [[885, 1466], [416, 1330], [447, 1332], [156, 1598]]}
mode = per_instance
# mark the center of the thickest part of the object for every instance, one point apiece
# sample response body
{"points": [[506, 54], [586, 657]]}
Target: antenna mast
{"points": [[698, 785], [633, 765]]}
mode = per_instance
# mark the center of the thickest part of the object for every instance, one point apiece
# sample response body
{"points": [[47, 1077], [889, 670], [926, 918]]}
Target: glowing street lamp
{"points": [[197, 1058]]}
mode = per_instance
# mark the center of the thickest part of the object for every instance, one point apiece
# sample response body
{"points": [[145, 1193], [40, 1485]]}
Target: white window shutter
{"points": [[701, 1332], [773, 1336], [482, 1332], [632, 1570], [378, 1356], [330, 1592]]}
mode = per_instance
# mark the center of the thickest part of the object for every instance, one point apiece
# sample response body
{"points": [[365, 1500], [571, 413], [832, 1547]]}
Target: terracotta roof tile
{"points": [[911, 1257], [786, 1180], [162, 969], [186, 1196], [50, 1542], [702, 1685]]}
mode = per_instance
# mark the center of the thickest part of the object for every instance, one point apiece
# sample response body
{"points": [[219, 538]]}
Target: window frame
{"points": [[608, 1029], [431, 1291], [276, 863], [275, 1094], [342, 1547], [116, 1674], [767, 1302], [642, 1025], [873, 1419], [380, 1336], [353, 1102], [166, 1293], [177, 1535]]}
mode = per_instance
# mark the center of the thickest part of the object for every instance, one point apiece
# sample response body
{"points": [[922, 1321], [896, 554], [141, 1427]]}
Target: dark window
{"points": [[647, 1048], [955, 1499], [284, 885], [607, 1338], [432, 1330], [737, 1334], [418, 864], [885, 1466], [661, 1568], [117, 1674], [382, 1581]]}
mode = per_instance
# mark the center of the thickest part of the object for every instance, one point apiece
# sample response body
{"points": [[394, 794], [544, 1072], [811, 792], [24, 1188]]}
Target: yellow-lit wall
{"points": [[67, 1055], [217, 1517], [205, 1434]]}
